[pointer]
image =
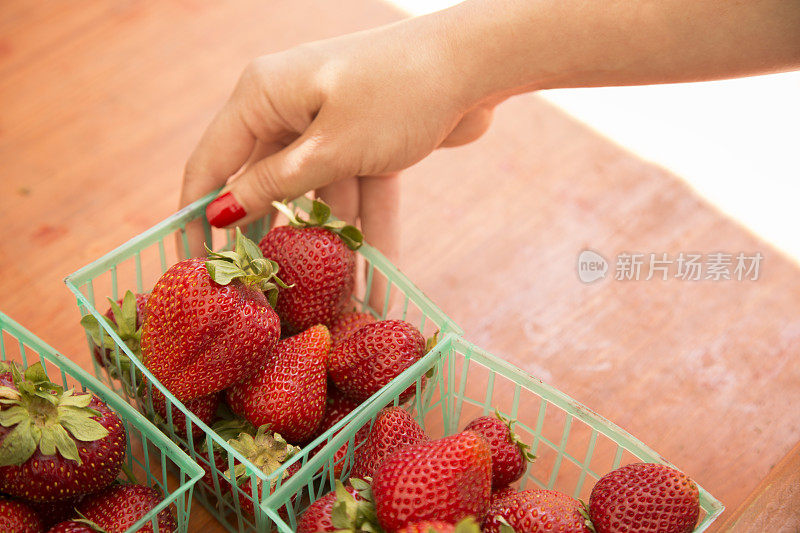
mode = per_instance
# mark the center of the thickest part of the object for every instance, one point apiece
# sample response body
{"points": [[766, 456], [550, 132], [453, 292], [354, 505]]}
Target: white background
{"points": [[737, 142]]}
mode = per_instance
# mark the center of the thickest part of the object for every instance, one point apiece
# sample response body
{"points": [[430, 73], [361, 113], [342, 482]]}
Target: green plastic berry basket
{"points": [[574, 445], [150, 455], [381, 289]]}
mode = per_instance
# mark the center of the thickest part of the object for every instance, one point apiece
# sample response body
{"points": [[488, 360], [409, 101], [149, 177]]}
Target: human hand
{"points": [[339, 116]]}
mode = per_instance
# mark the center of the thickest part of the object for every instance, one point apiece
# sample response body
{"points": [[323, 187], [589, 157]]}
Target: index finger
{"points": [[222, 150]]}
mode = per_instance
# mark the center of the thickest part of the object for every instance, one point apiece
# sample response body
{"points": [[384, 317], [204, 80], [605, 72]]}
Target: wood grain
{"points": [[101, 102]]}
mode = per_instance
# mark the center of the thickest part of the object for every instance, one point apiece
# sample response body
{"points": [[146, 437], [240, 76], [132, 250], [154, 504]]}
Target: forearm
{"points": [[503, 47]]}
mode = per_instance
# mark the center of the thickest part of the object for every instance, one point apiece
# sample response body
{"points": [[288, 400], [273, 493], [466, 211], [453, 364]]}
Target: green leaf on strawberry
{"points": [[247, 264], [266, 450], [320, 216], [43, 416]]}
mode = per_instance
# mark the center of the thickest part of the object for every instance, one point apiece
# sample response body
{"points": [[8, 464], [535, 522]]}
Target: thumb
{"points": [[308, 163]]}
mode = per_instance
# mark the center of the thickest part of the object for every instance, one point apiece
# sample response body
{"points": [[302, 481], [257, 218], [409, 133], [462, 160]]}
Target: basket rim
{"points": [[710, 504]]}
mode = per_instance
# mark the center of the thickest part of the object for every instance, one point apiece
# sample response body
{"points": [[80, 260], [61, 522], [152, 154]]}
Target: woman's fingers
{"points": [[343, 198], [380, 222], [222, 150]]}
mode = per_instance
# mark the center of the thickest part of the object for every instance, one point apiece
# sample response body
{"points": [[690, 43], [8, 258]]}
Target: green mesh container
{"points": [[136, 265], [153, 458], [574, 445]]}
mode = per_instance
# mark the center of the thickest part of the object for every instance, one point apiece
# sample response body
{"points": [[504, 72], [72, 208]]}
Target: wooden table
{"points": [[101, 102]]}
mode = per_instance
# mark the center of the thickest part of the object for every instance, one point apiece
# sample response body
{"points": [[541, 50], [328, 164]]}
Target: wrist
{"points": [[487, 50]]}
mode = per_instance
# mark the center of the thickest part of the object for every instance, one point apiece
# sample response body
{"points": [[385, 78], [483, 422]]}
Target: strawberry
{"points": [[125, 318], [72, 526], [429, 526], [536, 510], [468, 525], [337, 407], [347, 508], [119, 506], [393, 430], [208, 324], [347, 323], [510, 456], [374, 355], [289, 392], [644, 497], [55, 444], [502, 492], [204, 407], [54, 512], [447, 479], [16, 517], [316, 258]]}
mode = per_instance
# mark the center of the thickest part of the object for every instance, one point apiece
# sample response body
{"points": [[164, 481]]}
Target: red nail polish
{"points": [[224, 210]]}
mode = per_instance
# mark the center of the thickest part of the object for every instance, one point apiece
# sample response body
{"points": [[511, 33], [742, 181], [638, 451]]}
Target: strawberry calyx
{"points": [[524, 448], [229, 429], [320, 216], [584, 510], [352, 515], [88, 523], [247, 264], [124, 325], [505, 527], [468, 525], [266, 450], [44, 417]]}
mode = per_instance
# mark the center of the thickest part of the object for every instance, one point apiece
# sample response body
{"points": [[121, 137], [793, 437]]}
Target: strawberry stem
{"points": [[320, 216], [247, 264]]}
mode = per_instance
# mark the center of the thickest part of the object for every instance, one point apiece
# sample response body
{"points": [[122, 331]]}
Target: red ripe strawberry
{"points": [[55, 444], [118, 507], [348, 323], [337, 407], [393, 430], [644, 497], [72, 526], [208, 324], [125, 317], [289, 392], [373, 356], [354, 509], [53, 512], [340, 454], [204, 407], [16, 517], [447, 479], [502, 492], [316, 258], [468, 525], [429, 526], [510, 456], [529, 511]]}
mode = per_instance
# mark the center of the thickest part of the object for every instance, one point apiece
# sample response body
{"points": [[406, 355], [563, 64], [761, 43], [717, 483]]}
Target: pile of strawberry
{"points": [[269, 362], [404, 482], [60, 455]]}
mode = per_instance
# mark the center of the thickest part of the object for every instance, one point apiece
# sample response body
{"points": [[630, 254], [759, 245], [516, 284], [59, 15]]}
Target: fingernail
{"points": [[224, 211]]}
